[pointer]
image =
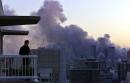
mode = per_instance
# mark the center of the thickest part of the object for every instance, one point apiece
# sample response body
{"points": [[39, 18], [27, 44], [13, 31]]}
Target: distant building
{"points": [[111, 52], [122, 70], [111, 55], [84, 76], [128, 54], [102, 41], [92, 51], [89, 72]]}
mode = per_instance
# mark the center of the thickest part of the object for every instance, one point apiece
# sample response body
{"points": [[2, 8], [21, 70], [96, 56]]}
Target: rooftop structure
{"points": [[13, 20], [88, 70], [8, 67]]}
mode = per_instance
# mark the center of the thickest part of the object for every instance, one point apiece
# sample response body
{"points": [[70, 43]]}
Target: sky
{"points": [[97, 17]]}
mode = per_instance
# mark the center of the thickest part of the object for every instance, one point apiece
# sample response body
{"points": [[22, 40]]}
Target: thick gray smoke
{"points": [[49, 31], [72, 36]]}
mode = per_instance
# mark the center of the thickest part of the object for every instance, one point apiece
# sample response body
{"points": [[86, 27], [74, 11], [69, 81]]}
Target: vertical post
{"points": [[1, 43], [1, 36], [35, 66], [1, 9]]}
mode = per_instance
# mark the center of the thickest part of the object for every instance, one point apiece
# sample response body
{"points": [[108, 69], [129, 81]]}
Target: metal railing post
{"points": [[35, 67]]}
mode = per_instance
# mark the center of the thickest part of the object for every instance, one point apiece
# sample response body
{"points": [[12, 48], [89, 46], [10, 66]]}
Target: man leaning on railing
{"points": [[25, 50]]}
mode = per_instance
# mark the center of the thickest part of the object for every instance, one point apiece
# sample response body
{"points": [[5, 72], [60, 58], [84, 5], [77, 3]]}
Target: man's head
{"points": [[26, 42]]}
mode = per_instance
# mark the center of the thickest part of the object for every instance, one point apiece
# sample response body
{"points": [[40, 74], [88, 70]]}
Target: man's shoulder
{"points": [[23, 46]]}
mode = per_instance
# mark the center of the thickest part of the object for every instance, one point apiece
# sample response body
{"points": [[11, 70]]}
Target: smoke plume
{"points": [[49, 31]]}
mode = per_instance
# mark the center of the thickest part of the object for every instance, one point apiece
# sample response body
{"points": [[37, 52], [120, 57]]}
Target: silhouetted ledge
{"points": [[13, 32], [18, 20]]}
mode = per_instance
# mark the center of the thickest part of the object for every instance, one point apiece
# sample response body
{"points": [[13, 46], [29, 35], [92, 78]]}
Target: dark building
{"points": [[84, 76], [49, 59], [89, 74], [128, 54], [122, 70], [92, 51]]}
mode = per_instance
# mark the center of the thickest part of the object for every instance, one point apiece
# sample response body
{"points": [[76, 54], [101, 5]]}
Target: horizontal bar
{"points": [[18, 20], [13, 32]]}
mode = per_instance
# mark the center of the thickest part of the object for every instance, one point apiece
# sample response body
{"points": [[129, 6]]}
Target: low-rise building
{"points": [[49, 59], [89, 72]]}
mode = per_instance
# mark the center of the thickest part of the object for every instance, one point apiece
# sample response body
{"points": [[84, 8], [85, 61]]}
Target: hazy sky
{"points": [[97, 17]]}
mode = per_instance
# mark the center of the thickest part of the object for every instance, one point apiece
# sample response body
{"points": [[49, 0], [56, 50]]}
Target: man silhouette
{"points": [[25, 50]]}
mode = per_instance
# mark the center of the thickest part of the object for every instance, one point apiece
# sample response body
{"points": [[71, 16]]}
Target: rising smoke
{"points": [[49, 31]]}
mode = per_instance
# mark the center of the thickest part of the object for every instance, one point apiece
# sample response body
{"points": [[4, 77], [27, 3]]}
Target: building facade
{"points": [[88, 72], [49, 59]]}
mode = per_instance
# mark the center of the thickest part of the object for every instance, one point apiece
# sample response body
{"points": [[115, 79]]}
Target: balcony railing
{"points": [[18, 66]]}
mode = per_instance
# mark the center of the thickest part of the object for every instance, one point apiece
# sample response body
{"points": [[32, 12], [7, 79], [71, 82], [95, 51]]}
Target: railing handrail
{"points": [[19, 56]]}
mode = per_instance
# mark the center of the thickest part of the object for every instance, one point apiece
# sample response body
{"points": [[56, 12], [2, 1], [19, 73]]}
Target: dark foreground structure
{"points": [[10, 68]]}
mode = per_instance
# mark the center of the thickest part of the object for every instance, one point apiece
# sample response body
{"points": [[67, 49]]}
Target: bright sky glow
{"points": [[97, 17]]}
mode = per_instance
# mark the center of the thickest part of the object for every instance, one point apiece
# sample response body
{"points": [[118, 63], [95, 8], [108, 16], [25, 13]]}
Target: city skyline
{"points": [[97, 17]]}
